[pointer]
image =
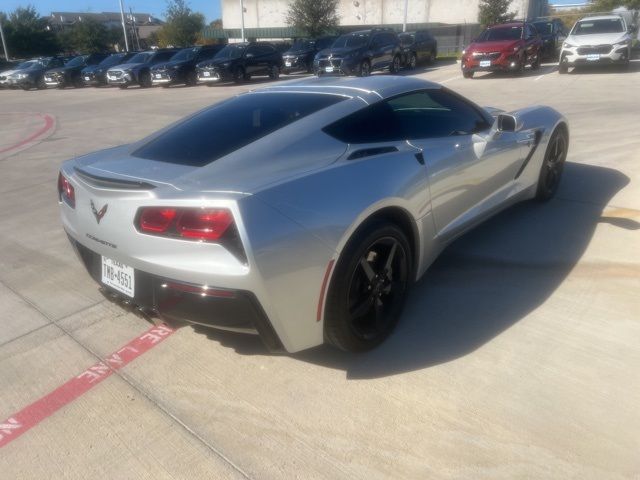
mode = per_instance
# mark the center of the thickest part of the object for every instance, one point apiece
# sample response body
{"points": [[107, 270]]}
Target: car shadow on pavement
{"points": [[483, 283], [634, 66]]}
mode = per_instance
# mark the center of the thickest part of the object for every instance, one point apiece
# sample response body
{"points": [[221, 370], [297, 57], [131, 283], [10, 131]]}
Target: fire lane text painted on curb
{"points": [[30, 416]]}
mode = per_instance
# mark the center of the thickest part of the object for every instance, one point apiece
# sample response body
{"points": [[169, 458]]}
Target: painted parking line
{"points": [[32, 415], [49, 124]]}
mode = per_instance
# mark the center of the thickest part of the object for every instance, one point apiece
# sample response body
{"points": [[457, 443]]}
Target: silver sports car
{"points": [[303, 212]]}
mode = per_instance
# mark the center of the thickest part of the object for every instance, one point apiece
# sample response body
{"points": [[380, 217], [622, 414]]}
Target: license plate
{"points": [[87, 78], [206, 74], [287, 64], [118, 276], [48, 79], [485, 63], [328, 69], [158, 75], [594, 57]]}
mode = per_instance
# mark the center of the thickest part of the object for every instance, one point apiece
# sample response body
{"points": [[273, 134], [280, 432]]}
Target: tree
{"points": [[87, 36], [182, 26], [313, 17], [27, 34], [494, 11], [217, 23]]}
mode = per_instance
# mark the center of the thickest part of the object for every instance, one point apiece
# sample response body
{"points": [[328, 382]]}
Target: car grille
{"points": [[330, 62], [2, 78], [486, 55], [589, 50], [115, 74]]}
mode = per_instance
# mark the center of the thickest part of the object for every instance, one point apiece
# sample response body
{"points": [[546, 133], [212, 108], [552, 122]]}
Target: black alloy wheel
{"points": [[467, 74], [365, 69], [369, 288], [563, 66], [413, 61], [274, 72], [238, 75], [552, 165], [395, 65]]}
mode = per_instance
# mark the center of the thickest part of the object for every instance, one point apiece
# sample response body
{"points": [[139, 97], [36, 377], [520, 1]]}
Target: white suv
{"points": [[597, 40]]}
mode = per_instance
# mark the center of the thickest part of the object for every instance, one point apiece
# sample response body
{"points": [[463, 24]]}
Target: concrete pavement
{"points": [[517, 357]]}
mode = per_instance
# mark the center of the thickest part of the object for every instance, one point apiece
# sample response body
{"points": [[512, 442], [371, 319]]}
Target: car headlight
{"points": [[623, 43], [568, 45], [516, 49], [22, 76]]}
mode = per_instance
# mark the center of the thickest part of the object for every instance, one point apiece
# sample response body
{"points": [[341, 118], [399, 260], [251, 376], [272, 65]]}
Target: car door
{"points": [[468, 163], [532, 42], [252, 60]]}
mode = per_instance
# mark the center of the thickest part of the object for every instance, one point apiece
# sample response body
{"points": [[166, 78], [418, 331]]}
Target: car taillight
{"points": [[66, 191], [206, 224]]}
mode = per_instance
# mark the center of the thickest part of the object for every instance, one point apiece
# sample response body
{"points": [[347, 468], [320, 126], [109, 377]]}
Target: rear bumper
{"points": [[221, 308]]}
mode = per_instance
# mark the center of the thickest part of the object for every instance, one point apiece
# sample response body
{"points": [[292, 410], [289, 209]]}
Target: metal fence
{"points": [[451, 38]]}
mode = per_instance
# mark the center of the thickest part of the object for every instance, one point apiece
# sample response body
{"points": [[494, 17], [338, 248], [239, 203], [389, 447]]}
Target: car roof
{"points": [[376, 86], [508, 25], [601, 17]]}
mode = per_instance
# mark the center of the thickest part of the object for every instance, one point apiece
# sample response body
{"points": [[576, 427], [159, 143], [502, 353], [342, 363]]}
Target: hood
{"points": [[167, 65], [339, 51], [90, 69], [498, 46], [127, 66], [6, 73], [597, 39], [291, 53], [217, 61]]}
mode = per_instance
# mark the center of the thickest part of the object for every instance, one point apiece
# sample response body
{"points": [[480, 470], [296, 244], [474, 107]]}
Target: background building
{"points": [[272, 13]]}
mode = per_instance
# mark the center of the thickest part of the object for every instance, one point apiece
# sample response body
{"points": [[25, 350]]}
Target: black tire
{"points": [[536, 64], [552, 165], [413, 61], [364, 69], [123, 87], [145, 80], [274, 72], [26, 88], [520, 68], [369, 288], [192, 79], [467, 74], [563, 66], [395, 64], [40, 85], [238, 75]]}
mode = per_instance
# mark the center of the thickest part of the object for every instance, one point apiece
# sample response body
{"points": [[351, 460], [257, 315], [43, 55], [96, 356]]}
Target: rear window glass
{"points": [[228, 126]]}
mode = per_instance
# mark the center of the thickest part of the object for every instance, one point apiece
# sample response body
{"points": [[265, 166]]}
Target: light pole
{"points": [[124, 27], [242, 19], [404, 22], [4, 43]]}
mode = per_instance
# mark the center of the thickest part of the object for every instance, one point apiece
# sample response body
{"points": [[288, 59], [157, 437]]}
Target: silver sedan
{"points": [[303, 212]]}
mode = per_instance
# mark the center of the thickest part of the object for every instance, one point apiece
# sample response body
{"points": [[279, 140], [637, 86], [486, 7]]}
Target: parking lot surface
{"points": [[518, 355]]}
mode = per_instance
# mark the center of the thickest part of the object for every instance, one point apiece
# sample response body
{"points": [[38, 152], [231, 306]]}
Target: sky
{"points": [[210, 8]]}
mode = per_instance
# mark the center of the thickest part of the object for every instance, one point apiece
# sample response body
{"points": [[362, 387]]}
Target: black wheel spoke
{"points": [[362, 308], [392, 253], [380, 315]]}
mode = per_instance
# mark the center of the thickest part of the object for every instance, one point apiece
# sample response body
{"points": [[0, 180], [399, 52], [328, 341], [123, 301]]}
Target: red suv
{"points": [[507, 47]]}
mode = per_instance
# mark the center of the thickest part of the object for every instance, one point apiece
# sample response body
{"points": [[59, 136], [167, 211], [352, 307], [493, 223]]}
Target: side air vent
{"points": [[117, 183], [370, 152]]}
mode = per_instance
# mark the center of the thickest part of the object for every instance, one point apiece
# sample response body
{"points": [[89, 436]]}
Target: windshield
{"points": [[143, 57], [590, 27], [301, 45], [406, 39], [230, 52], [111, 60], [230, 125], [500, 34], [28, 64], [76, 62], [544, 28], [185, 54], [352, 40]]}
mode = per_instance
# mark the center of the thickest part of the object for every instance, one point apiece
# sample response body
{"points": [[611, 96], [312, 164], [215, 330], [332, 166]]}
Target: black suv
{"points": [[360, 53], [417, 47], [181, 68], [299, 58], [70, 74], [96, 75], [137, 70], [240, 61], [553, 34]]}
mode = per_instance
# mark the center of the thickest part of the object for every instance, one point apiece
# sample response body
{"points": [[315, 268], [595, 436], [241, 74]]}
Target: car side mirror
{"points": [[507, 123]]}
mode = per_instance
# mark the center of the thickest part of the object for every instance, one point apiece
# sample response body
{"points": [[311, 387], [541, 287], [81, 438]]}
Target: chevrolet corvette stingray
{"points": [[303, 212]]}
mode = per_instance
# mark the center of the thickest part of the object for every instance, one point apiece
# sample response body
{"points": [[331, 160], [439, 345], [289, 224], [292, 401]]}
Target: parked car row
{"points": [[510, 47], [358, 53]]}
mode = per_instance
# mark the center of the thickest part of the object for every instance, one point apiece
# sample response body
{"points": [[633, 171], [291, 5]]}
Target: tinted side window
{"points": [[228, 126], [435, 114], [163, 56], [372, 124]]}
